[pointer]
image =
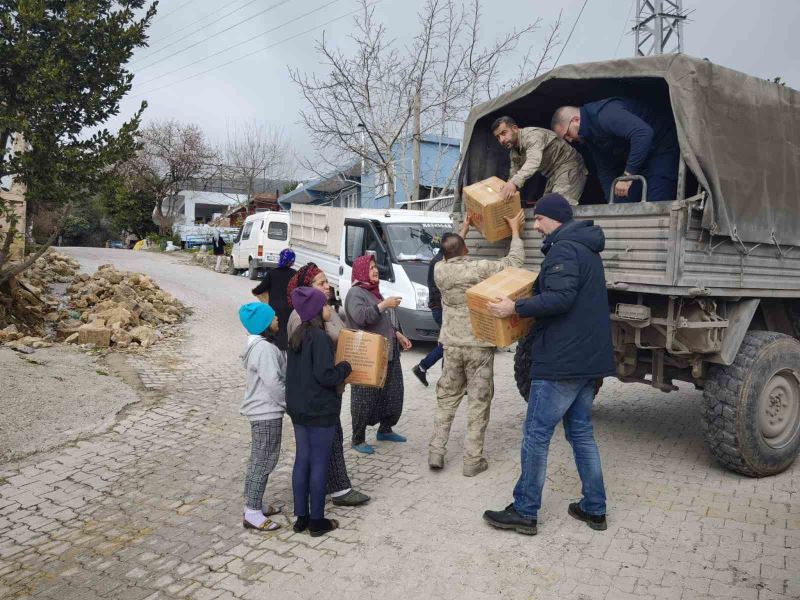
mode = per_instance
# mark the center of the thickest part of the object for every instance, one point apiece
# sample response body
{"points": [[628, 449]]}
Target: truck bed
{"points": [[661, 247]]}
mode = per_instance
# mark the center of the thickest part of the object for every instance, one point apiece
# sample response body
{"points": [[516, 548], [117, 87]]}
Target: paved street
{"points": [[152, 508]]}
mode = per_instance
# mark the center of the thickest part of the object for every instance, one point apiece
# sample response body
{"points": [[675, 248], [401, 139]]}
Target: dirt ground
{"points": [[57, 395]]}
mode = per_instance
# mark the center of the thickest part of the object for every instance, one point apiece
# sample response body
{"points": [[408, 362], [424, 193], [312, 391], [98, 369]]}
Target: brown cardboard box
{"points": [[488, 210], [367, 353], [512, 282]]}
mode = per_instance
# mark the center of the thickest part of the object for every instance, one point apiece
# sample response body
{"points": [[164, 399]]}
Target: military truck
{"points": [[704, 289]]}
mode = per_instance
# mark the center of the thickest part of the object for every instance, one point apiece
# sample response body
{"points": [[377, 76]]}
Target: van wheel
{"points": [[522, 365], [751, 409], [254, 272]]}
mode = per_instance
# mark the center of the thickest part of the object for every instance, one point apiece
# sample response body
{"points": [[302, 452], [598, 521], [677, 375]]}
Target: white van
{"points": [[260, 241], [403, 242]]}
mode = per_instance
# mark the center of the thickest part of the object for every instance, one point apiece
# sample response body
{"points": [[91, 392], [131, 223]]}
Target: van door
{"points": [[274, 237], [360, 237], [239, 252]]}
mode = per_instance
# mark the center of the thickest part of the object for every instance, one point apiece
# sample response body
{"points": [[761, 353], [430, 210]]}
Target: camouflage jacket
{"points": [[543, 151], [453, 278]]}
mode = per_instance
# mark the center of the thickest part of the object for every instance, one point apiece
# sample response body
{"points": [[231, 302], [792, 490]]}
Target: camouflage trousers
{"points": [[470, 370], [567, 182]]}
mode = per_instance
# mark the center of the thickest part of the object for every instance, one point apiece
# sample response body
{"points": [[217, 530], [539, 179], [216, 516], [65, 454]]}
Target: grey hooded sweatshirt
{"points": [[265, 395]]}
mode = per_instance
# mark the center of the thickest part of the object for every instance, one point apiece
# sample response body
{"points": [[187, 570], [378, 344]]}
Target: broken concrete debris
{"points": [[109, 309]]}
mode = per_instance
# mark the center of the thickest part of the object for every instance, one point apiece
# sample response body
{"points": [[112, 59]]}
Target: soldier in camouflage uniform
{"points": [[468, 361], [535, 149]]}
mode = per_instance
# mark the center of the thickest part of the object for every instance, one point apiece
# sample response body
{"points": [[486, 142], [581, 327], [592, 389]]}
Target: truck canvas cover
{"points": [[739, 135]]}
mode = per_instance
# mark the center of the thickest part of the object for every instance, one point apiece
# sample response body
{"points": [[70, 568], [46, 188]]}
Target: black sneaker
{"points": [[597, 522], [417, 370], [351, 498], [510, 519]]}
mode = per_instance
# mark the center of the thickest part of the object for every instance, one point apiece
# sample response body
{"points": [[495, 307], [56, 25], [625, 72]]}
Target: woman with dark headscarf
{"points": [[368, 310], [338, 484], [273, 289]]}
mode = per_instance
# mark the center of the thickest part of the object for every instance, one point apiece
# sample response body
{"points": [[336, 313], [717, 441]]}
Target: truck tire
{"points": [[253, 271], [751, 409], [522, 365]]}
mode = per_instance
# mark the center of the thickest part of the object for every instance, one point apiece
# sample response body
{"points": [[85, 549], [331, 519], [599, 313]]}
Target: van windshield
{"points": [[415, 241]]}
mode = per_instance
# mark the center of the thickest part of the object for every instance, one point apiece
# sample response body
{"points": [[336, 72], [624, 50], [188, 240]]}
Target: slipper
{"points": [[318, 527], [364, 448], [270, 510], [390, 436], [267, 525]]}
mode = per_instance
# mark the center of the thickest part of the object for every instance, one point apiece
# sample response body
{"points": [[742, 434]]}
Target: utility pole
{"points": [[659, 27], [415, 167]]}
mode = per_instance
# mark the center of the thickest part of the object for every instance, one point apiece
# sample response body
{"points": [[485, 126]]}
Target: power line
{"points": [[624, 27], [190, 46], [569, 37], [190, 34], [160, 18], [225, 64], [263, 33]]}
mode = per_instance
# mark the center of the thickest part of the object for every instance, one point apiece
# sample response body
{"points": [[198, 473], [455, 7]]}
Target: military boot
{"points": [[435, 461], [472, 469]]}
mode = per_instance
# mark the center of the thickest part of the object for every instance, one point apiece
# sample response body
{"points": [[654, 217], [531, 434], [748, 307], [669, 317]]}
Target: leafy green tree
{"points": [[128, 204], [62, 76]]}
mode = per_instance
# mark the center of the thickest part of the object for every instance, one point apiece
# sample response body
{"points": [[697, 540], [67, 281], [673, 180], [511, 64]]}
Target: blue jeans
{"points": [[436, 354], [549, 403], [310, 473]]}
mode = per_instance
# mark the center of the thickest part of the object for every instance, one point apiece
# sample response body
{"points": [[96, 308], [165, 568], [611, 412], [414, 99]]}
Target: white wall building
{"points": [[197, 208]]}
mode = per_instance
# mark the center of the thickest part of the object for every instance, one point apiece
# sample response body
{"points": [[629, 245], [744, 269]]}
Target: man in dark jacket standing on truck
{"points": [[625, 136], [571, 350]]}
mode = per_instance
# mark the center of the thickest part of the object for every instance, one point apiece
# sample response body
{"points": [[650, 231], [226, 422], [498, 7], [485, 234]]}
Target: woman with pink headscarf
{"points": [[368, 310]]}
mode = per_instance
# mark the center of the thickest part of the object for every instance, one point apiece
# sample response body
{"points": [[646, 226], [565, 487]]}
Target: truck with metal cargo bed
{"points": [[704, 288]]}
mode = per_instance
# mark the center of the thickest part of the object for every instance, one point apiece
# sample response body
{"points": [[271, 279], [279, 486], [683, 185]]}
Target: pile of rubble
{"points": [[108, 309], [30, 309], [119, 308]]}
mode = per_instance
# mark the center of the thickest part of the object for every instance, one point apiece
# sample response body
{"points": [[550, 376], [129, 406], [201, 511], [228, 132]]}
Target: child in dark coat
{"points": [[313, 404]]}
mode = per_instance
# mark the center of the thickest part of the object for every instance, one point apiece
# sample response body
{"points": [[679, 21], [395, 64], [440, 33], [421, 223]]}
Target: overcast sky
{"points": [[759, 38]]}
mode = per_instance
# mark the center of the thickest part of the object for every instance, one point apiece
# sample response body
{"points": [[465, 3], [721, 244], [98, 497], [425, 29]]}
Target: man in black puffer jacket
{"points": [[571, 350]]}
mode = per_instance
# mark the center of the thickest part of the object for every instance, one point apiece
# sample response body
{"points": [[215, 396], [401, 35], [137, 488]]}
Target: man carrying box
{"points": [[468, 361], [570, 305], [535, 149]]}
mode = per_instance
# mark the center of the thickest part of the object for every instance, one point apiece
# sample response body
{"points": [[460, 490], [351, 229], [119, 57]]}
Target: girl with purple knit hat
{"points": [[313, 402]]}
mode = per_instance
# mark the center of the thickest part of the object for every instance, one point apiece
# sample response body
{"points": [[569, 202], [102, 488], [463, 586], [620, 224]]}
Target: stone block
{"points": [[95, 333]]}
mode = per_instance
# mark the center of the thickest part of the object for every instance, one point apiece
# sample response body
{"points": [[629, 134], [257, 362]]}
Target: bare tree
{"points": [[170, 155], [252, 151], [365, 104]]}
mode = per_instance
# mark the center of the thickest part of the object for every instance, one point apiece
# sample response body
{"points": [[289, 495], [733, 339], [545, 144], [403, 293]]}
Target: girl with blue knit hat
{"points": [[264, 404], [273, 289]]}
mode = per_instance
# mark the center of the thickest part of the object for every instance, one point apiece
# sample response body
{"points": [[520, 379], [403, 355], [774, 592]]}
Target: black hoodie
{"points": [[572, 332]]}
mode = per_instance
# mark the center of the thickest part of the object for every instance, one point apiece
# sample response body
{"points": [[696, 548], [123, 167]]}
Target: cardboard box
{"points": [[512, 282], [483, 202], [367, 353]]}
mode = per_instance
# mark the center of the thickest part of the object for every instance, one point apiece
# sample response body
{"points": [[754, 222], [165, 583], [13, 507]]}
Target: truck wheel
{"points": [[751, 409], [522, 366], [254, 273]]}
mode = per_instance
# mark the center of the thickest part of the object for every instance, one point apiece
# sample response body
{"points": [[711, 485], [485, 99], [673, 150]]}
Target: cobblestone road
{"points": [[152, 508]]}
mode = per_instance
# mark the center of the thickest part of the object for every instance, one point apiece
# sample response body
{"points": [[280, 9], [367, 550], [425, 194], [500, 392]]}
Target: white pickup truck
{"points": [[403, 241]]}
